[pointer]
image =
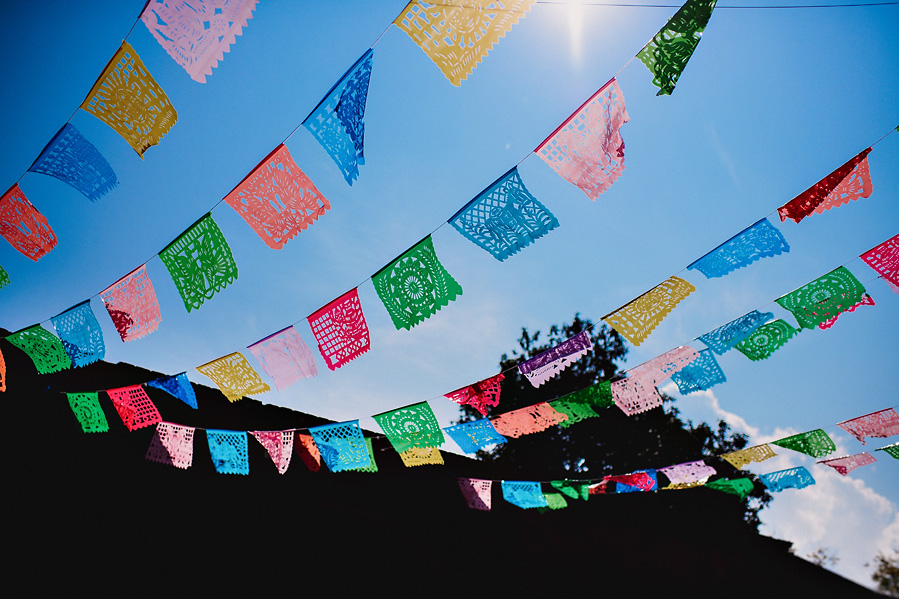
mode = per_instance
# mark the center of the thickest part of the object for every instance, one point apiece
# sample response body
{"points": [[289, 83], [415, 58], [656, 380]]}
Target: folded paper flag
{"points": [[891, 450], [480, 395], [572, 489], [524, 494], [177, 386], [458, 34], [277, 199], [884, 423], [373, 466], [308, 450], [867, 300], [420, 456], [80, 334], [200, 262], [337, 120], [637, 319], [554, 501], [89, 412], [285, 357], [43, 347], [229, 451], [885, 259], [816, 443], [132, 306], [824, 298], [4, 278], [234, 376], [475, 436], [642, 480], [742, 457], [476, 493], [699, 375], [766, 339], [197, 33], [848, 463], [134, 406], [792, 478], [279, 445], [412, 426], [23, 226], [849, 182], [415, 286], [340, 330], [725, 337], [525, 421], [761, 240], [550, 363], [576, 412], [668, 51], [75, 161], [596, 396], [637, 393], [688, 472], [341, 445], [172, 444], [740, 487], [128, 99], [587, 149], [504, 218]]}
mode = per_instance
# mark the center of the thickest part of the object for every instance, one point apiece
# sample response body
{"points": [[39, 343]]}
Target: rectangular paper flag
{"points": [[132, 306], [824, 298], [849, 182], [285, 357], [43, 347], [552, 362], [80, 334], [414, 426], [234, 376], [340, 330], [75, 161], [23, 226], [637, 319]]}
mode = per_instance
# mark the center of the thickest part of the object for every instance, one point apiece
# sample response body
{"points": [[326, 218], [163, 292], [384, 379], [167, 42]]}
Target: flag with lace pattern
{"points": [[172, 444], [761, 240], [742, 457], [234, 376], [766, 339], [847, 183], [884, 259], [4, 278], [476, 493], [177, 386], [824, 298], [229, 451], [421, 456], [701, 374], [80, 334], [285, 357], [637, 393], [881, 424], [308, 451], [132, 306], [341, 445], [596, 396], [847, 464], [524, 494], [791, 478], [816, 443], [279, 445], [528, 420], [474, 436], [134, 406], [574, 411], [411, 426], [553, 361], [76, 162], [741, 487], [88, 411], [637, 319], [481, 395], [891, 450], [729, 335], [43, 347], [688, 472], [26, 229], [340, 330]]}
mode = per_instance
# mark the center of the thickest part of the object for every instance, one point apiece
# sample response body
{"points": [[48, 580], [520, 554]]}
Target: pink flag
{"points": [[23, 226], [884, 423], [476, 493], [131, 303], [637, 393], [134, 406], [285, 357], [885, 259], [847, 464], [867, 300], [173, 444], [688, 472], [525, 421], [340, 330], [279, 445]]}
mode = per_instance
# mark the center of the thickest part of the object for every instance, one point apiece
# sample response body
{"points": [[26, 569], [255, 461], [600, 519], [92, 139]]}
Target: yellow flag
{"points": [[234, 376], [636, 320], [418, 456], [742, 457]]}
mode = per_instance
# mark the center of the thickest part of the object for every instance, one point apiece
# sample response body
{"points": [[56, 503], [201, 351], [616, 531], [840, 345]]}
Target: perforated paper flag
{"points": [[849, 182], [373, 466], [891, 450], [741, 487], [75, 161], [229, 451], [128, 99], [636, 320], [411, 426], [308, 450], [761, 240], [504, 218], [553, 361], [642, 480], [525, 421], [885, 259], [341, 445], [178, 386], [791, 478], [285, 357], [742, 457], [4, 278], [572, 489], [476, 493], [134, 406], [279, 445], [866, 300], [277, 199], [823, 298], [80, 334], [200, 263], [132, 306], [848, 463], [44, 349], [766, 339], [524, 494], [688, 472], [474, 436], [197, 33], [884, 423], [340, 330], [23, 226], [234, 376], [668, 51], [337, 120], [458, 34], [421, 456], [587, 149], [480, 395], [816, 443], [554, 501], [89, 412], [172, 444], [637, 393], [701, 374], [597, 396], [576, 412], [727, 336]]}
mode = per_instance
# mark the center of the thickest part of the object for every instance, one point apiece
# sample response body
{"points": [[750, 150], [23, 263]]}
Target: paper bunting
{"points": [[279, 445], [824, 298], [504, 218], [4, 278], [415, 286], [576, 412], [200, 263], [668, 51], [229, 451], [587, 150], [340, 330], [554, 501], [637, 393], [177, 386], [701, 374], [373, 466], [80, 334], [550, 363], [285, 357], [420, 456], [725, 337], [742, 457], [128, 99], [2, 373], [132, 306], [761, 240], [572, 489], [23, 226], [412, 426], [816, 443], [44, 349], [475, 436], [134, 406], [867, 300], [197, 33], [740, 487], [636, 320], [792, 478], [89, 412], [524, 494], [596, 396], [75, 161], [688, 472], [234, 376], [849, 182], [337, 120], [277, 199], [885, 259], [341, 445], [848, 463], [525, 421], [172, 444], [480, 395], [643, 480], [308, 450], [766, 339], [891, 450], [458, 34], [884, 423], [476, 493]]}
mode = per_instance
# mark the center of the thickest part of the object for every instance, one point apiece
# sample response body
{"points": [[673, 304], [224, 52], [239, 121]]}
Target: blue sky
{"points": [[772, 101]]}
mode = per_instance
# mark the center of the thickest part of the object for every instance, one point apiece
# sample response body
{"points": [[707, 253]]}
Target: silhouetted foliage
{"points": [[886, 574]]}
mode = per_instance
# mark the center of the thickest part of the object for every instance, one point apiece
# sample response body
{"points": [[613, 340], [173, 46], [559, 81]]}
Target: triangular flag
{"points": [[688, 472], [308, 450], [134, 406], [885, 259], [132, 306], [421, 456], [727, 336], [823, 298], [342, 445], [524, 494], [636, 320], [849, 182], [128, 99], [474, 436], [412, 426], [884, 423], [761, 240], [816, 443], [89, 412], [848, 463], [75, 161], [480, 395], [285, 357], [791, 478], [742, 457], [229, 451], [178, 386], [80, 334], [701, 374], [197, 33], [234, 376], [23, 226], [476, 493], [172, 444], [553, 361], [279, 445], [741, 487], [766, 339], [43, 347], [525, 421], [340, 330], [637, 393]]}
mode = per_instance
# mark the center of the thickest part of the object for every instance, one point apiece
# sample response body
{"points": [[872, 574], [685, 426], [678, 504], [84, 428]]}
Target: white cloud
{"points": [[710, 402]]}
